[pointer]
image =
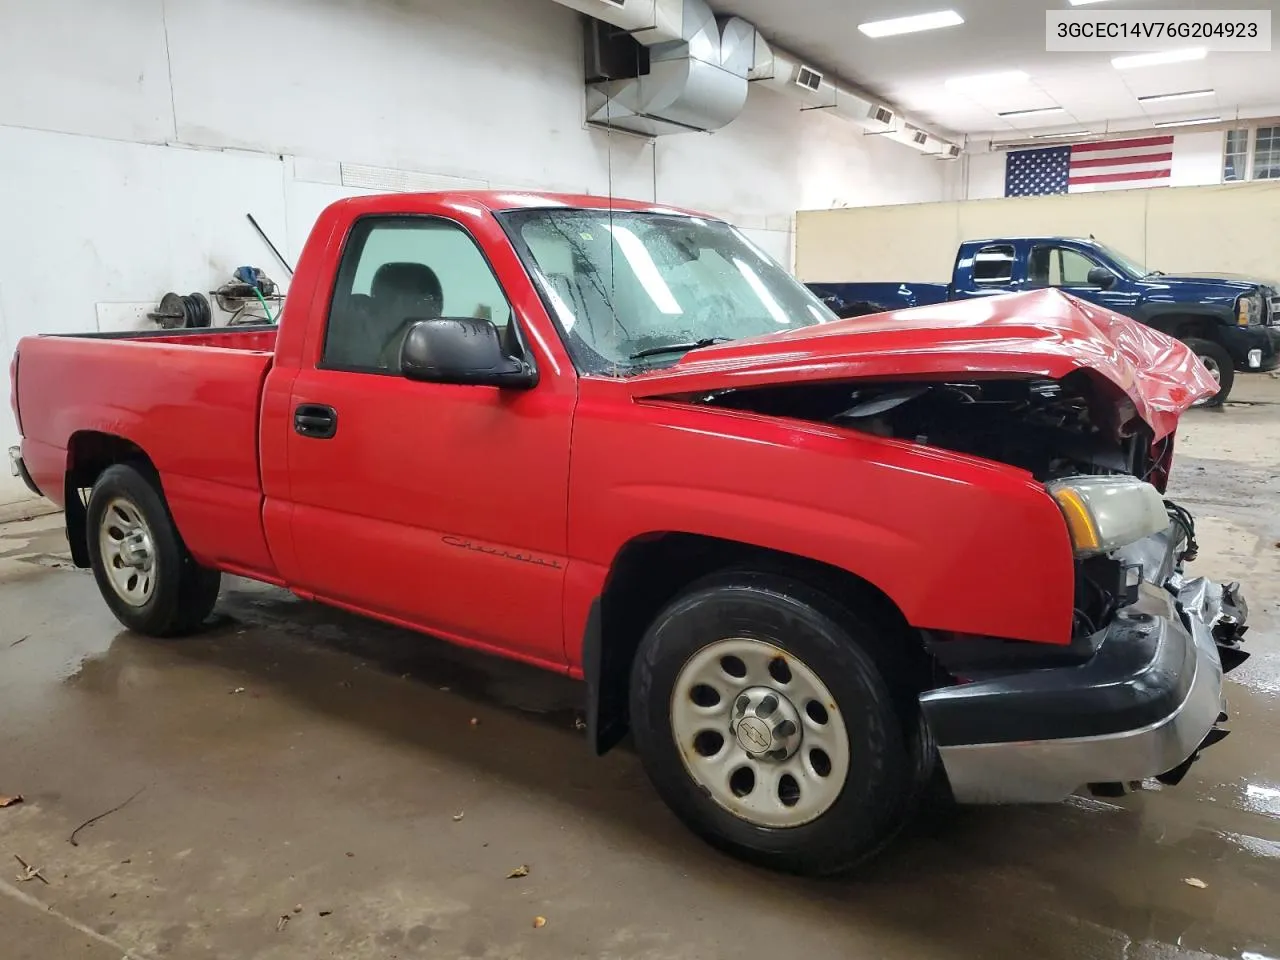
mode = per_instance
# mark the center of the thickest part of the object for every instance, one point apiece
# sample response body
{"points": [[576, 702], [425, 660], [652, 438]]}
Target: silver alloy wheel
{"points": [[1215, 371], [760, 732], [128, 552]]}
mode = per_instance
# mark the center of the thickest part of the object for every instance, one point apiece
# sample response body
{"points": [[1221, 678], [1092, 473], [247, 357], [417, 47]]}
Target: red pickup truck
{"points": [[814, 566]]}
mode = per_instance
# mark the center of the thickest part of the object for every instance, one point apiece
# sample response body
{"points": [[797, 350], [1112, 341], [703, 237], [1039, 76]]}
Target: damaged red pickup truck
{"points": [[814, 566]]}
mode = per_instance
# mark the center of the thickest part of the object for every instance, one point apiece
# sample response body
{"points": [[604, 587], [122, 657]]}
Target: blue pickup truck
{"points": [[1232, 323]]}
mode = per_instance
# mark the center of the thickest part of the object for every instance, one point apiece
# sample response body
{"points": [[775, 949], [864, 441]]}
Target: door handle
{"points": [[315, 420]]}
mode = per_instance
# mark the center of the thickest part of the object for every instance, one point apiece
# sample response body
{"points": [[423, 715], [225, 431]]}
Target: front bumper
{"points": [[1142, 706], [19, 469], [1241, 341]]}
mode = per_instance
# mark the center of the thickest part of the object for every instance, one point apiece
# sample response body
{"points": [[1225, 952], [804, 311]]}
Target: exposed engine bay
{"points": [[1051, 428]]}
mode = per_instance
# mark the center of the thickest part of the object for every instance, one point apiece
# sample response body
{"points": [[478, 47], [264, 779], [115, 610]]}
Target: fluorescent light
{"points": [[1155, 59], [646, 271], [762, 292], [1185, 95], [1063, 136], [915, 24], [1188, 123], [989, 79], [1085, 3], [1032, 112]]}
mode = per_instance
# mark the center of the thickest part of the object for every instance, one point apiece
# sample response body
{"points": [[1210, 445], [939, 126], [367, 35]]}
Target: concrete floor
{"points": [[297, 762]]}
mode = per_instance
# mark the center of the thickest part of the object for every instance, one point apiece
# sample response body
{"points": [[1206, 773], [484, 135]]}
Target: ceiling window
{"points": [[1236, 166], [1266, 154]]}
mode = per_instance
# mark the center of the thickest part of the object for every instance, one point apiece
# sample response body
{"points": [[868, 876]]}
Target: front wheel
{"points": [[1220, 366], [766, 725], [143, 569]]}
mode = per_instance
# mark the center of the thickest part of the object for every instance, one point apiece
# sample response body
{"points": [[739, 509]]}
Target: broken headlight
{"points": [[1104, 513]]}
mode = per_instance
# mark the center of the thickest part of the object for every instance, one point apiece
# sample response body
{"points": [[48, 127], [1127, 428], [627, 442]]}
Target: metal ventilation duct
{"points": [[697, 74], [699, 70], [784, 72]]}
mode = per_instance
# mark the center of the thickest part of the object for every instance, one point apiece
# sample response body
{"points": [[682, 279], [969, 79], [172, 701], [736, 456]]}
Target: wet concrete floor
{"points": [[296, 762]]}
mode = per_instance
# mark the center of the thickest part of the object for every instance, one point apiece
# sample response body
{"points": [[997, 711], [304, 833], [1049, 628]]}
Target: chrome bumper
{"points": [[1147, 702], [19, 469]]}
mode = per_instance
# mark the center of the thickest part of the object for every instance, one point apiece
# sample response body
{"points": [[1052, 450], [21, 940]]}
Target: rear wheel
{"points": [[143, 569], [1220, 366], [765, 723]]}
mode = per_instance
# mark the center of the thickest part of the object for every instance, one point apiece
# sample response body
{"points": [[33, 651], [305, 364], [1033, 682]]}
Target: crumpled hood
{"points": [[1043, 334]]}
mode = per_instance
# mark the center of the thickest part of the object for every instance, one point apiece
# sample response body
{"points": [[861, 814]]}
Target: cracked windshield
{"points": [[632, 291]]}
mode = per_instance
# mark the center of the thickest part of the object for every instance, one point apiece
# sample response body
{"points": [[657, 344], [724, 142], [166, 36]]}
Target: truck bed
{"points": [[191, 398]]}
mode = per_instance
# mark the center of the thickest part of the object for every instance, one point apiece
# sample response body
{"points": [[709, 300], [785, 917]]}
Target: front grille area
{"points": [[1270, 306]]}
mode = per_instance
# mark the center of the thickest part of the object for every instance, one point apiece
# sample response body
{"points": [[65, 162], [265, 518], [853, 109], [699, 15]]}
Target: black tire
{"points": [[1215, 355], [890, 758], [184, 592]]}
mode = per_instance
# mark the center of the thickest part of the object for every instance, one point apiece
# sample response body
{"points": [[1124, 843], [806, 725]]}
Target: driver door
{"points": [[441, 506], [1067, 269]]}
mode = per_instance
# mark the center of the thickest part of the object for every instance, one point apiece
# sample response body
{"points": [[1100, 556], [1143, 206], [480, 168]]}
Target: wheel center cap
{"points": [[754, 735], [766, 724], [135, 549]]}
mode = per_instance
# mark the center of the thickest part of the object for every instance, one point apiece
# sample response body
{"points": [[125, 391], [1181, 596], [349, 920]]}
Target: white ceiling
{"points": [[910, 71]]}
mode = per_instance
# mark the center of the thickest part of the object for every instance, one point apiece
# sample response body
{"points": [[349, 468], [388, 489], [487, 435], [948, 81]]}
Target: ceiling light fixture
{"points": [[1085, 3], [915, 24], [1185, 95], [1032, 112], [986, 80], [1188, 123], [1156, 59], [1062, 136]]}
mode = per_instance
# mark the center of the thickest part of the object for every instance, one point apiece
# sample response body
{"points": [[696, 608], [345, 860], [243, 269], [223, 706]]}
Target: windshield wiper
{"points": [[678, 347], [1155, 273]]}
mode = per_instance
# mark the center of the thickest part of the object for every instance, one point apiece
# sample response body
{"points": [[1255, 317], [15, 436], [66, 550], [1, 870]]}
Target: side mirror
{"points": [[462, 350], [1102, 277]]}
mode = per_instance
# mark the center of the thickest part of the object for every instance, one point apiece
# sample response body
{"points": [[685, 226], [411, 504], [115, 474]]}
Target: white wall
{"points": [[136, 134], [1197, 161]]}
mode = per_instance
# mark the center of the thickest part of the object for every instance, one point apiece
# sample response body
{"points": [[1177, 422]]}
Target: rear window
{"points": [[993, 265]]}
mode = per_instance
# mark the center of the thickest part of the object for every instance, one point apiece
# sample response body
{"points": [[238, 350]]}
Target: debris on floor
{"points": [[539, 922], [520, 871], [29, 872], [456, 817], [1196, 882], [20, 640], [10, 801], [282, 922], [93, 820]]}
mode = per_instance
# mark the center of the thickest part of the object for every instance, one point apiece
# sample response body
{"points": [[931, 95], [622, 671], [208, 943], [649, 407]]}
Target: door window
{"points": [[993, 266], [396, 271], [1059, 267]]}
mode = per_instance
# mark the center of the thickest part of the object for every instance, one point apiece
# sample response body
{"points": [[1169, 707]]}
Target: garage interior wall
{"points": [[1233, 228], [136, 134]]}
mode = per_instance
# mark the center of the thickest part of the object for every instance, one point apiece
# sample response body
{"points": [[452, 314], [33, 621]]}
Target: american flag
{"points": [[1087, 167]]}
